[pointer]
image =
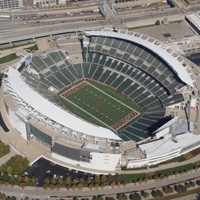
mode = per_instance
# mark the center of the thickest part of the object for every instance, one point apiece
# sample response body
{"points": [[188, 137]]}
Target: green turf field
{"points": [[100, 104]]}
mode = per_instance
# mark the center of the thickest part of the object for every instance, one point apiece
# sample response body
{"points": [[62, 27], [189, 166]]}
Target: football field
{"points": [[99, 105]]}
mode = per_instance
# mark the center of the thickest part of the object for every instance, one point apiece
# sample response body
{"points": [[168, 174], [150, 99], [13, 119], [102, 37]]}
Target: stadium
{"points": [[112, 109]]}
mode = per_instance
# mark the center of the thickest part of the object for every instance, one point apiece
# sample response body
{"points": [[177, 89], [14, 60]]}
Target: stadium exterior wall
{"points": [[99, 161], [16, 121], [154, 160]]}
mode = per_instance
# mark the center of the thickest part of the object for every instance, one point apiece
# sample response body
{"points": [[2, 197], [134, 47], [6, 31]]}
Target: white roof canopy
{"points": [[162, 53], [48, 109]]}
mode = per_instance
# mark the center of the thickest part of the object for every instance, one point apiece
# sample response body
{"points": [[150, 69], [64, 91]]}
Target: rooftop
{"points": [[167, 145]]}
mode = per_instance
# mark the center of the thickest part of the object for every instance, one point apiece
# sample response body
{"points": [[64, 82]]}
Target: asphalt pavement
{"points": [[43, 168]]}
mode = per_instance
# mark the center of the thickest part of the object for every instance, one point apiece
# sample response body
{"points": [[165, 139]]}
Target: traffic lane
{"points": [[57, 16], [61, 15], [150, 16], [140, 9]]}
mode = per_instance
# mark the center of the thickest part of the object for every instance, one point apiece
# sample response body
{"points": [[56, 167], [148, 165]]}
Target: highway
{"points": [[44, 21], [41, 31]]}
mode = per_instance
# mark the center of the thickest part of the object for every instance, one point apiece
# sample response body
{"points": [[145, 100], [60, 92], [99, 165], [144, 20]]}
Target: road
{"points": [[36, 192], [71, 19]]}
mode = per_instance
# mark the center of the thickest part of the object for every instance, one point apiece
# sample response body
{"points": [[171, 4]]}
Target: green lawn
{"points": [[32, 48], [101, 105], [8, 58], [14, 46]]}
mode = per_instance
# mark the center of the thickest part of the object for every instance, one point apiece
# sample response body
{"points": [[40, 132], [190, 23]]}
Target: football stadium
{"points": [[114, 108]]}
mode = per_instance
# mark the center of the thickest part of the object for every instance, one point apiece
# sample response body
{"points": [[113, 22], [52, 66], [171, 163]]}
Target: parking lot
{"points": [[176, 31], [43, 168]]}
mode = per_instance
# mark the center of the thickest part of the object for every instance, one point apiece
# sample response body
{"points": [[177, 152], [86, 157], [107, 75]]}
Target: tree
{"points": [[155, 177], [144, 194], [145, 179], [60, 181], [109, 178], [26, 179], [53, 181], [12, 179], [2, 196], [79, 186], [9, 170], [68, 187], [139, 180], [96, 186], [176, 173], [45, 186], [180, 188], [4, 148], [112, 184], [157, 193], [110, 198], [167, 189], [5, 177], [73, 186], [95, 197], [68, 181], [115, 177], [57, 186], [161, 176], [100, 197], [81, 180], [122, 197], [135, 196], [96, 179], [74, 180], [192, 184], [123, 182], [46, 181], [103, 179], [118, 183], [157, 22], [19, 178], [22, 185], [90, 185], [51, 186], [33, 180], [18, 163], [89, 180]]}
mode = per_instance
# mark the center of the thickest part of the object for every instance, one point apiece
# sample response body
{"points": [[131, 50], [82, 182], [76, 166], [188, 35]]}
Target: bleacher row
{"points": [[139, 80]]}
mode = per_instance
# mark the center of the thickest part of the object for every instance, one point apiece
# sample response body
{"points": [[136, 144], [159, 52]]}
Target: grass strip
{"points": [[8, 58]]}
